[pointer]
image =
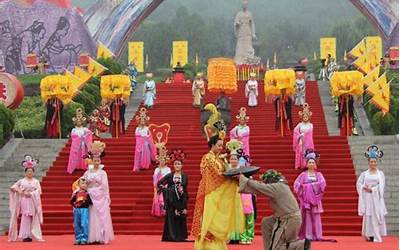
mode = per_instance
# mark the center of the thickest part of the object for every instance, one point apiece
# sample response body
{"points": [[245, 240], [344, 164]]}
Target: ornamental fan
{"points": [[278, 80], [347, 82], [113, 86], [222, 75], [58, 86]]}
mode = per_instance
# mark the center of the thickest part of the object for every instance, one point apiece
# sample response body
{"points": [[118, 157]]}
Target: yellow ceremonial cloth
{"points": [[218, 209]]}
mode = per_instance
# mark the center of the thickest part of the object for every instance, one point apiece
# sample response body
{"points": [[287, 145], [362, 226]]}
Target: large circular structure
{"points": [[113, 22], [11, 91]]}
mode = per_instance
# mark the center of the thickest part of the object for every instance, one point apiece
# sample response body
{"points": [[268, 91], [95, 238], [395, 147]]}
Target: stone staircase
{"points": [[12, 154], [389, 165]]}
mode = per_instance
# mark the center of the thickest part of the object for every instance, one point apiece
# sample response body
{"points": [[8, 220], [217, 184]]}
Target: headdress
{"points": [[221, 127], [96, 150], [252, 74], [79, 116], [149, 75], [142, 116], [373, 152], [177, 155], [311, 154], [241, 116], [159, 133], [271, 176], [305, 111], [29, 162], [235, 147], [199, 74], [162, 154]]}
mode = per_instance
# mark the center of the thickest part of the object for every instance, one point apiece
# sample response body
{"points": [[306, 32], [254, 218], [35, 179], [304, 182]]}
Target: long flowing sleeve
{"points": [[297, 186], [247, 90], [256, 88], [155, 177], [254, 187], [104, 183], [360, 191], [296, 137]]}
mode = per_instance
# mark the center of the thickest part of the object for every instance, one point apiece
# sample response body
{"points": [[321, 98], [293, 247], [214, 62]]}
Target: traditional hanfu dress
{"points": [[302, 132], [371, 206], [216, 213], [309, 189], [251, 92], [30, 209], [176, 198], [149, 93], [247, 202], [158, 200], [133, 72], [242, 133], [145, 151], [81, 139], [198, 91], [300, 97], [53, 117], [100, 223]]}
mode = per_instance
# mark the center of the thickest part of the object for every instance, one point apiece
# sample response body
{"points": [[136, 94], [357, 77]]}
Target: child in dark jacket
{"points": [[81, 201]]}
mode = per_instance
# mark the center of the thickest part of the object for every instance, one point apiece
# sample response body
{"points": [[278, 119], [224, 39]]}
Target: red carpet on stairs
{"points": [[131, 193], [152, 242]]}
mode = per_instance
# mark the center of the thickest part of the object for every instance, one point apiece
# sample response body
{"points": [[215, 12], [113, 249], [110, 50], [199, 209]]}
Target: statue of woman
{"points": [[245, 33]]}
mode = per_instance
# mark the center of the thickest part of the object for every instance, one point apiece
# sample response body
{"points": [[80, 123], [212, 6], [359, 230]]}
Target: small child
{"points": [[80, 200]]}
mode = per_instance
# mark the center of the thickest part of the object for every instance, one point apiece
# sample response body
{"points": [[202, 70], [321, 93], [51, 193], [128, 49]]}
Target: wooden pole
{"points": [[281, 112], [59, 121], [347, 116], [116, 120]]}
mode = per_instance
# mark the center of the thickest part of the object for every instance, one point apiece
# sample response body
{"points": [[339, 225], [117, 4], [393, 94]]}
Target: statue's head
{"points": [[245, 3]]}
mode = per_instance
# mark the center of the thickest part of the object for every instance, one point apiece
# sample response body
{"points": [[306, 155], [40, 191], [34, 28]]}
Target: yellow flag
{"points": [[327, 46], [371, 77], [95, 68], [379, 85], [374, 46], [82, 75], [180, 52], [73, 80], [135, 55], [104, 52], [359, 49]]}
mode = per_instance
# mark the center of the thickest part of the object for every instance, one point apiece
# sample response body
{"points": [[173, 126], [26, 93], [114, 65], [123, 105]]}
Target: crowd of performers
{"points": [[225, 208]]}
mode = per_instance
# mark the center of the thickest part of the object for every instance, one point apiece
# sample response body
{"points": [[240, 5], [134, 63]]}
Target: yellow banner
{"points": [[104, 52], [327, 46], [347, 82], [135, 55], [371, 77], [180, 52], [374, 46], [359, 49], [378, 86], [82, 75], [95, 68]]}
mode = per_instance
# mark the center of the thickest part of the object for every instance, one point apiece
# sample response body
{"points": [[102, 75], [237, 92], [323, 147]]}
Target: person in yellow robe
{"points": [[218, 210]]}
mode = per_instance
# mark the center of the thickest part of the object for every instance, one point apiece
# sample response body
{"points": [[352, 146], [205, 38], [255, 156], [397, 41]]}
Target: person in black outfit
{"points": [[174, 188]]}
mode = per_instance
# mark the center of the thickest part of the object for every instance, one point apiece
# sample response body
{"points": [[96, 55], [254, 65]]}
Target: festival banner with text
{"points": [[135, 54], [180, 52], [327, 46]]}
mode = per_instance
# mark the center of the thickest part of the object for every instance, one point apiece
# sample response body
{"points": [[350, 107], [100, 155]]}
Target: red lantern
{"points": [[32, 60], [11, 91], [84, 60]]}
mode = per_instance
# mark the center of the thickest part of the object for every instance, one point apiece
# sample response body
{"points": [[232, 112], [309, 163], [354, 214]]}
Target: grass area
{"points": [[29, 117], [30, 79]]}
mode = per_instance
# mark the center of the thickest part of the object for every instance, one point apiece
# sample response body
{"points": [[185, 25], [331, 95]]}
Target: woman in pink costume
{"points": [[145, 151], [25, 200], [303, 137], [81, 138], [161, 171], [310, 187], [100, 224], [241, 132]]}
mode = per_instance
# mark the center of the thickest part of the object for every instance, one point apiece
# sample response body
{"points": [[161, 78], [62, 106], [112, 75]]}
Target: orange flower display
{"points": [[222, 75]]}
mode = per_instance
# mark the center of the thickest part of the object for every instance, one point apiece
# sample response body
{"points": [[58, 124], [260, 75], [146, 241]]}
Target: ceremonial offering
{"points": [[247, 171]]}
